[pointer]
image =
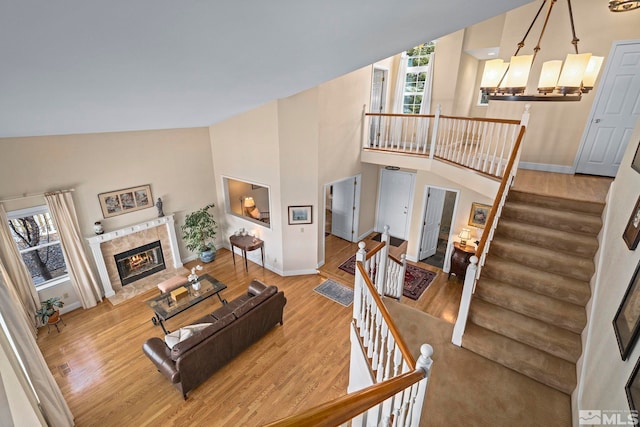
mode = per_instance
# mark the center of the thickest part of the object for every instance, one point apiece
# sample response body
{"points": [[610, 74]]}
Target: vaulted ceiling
{"points": [[79, 66]]}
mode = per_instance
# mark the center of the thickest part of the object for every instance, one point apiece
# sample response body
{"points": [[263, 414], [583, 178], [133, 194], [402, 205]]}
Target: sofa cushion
{"points": [[182, 347], [255, 301], [183, 333], [230, 307]]}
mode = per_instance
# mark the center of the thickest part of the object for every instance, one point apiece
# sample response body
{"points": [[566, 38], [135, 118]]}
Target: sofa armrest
{"points": [[256, 287], [160, 355]]}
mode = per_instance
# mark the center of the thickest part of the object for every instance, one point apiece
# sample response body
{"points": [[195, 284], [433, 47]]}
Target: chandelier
{"points": [[507, 81], [623, 5]]}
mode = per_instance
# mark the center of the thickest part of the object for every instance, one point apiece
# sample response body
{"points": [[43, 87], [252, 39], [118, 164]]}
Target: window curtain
{"points": [[63, 213], [15, 273], [398, 93], [425, 106], [53, 406]]}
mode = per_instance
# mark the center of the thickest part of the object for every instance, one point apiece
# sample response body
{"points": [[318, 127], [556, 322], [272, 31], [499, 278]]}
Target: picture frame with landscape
{"points": [[127, 200], [626, 322], [631, 235], [300, 215]]}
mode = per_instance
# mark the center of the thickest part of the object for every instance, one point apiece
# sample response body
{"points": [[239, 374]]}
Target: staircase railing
{"points": [[385, 271], [481, 144], [397, 396], [477, 261]]}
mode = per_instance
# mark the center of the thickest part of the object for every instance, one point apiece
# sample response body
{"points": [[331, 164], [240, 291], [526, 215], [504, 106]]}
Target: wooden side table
{"points": [[460, 259], [246, 244]]}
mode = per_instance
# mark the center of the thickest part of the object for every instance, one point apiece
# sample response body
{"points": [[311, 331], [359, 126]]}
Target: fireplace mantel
{"points": [[95, 242]]}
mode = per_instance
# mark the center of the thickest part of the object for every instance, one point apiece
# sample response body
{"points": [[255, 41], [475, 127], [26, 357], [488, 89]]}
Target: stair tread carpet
{"points": [[541, 282], [559, 240], [529, 361], [544, 259], [558, 203], [571, 221], [541, 307], [549, 338]]}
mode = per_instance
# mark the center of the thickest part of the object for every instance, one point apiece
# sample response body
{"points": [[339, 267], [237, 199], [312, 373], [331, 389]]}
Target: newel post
{"points": [[424, 362], [524, 121], [358, 284], [381, 274], [465, 301], [434, 134]]}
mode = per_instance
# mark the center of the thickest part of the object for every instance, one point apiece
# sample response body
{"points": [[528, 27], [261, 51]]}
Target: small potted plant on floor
{"points": [[198, 230], [48, 312]]}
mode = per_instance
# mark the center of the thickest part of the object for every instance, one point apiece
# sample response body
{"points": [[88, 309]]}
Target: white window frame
{"points": [[37, 210], [404, 70]]}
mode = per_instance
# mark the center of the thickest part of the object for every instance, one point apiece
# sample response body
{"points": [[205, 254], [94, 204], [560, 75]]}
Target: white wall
{"points": [[604, 374]]}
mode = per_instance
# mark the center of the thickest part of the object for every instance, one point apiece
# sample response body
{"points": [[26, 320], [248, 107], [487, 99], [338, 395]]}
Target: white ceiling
{"points": [[78, 66]]}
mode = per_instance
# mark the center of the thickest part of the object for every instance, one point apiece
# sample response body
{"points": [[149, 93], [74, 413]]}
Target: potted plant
{"points": [[198, 231], [48, 312]]}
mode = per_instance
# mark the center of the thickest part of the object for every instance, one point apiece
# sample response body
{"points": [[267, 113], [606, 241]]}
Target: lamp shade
{"points": [[249, 202], [464, 235], [493, 72], [572, 72], [549, 76], [518, 74], [591, 73]]}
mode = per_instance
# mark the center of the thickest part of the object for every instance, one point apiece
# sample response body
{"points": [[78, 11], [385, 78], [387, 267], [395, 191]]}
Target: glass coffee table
{"points": [[164, 307]]}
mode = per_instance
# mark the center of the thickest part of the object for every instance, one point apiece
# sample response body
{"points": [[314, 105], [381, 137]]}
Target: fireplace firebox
{"points": [[140, 262]]}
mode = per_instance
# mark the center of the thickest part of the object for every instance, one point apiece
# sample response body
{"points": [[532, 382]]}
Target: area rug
{"points": [[336, 292], [416, 279], [393, 241]]}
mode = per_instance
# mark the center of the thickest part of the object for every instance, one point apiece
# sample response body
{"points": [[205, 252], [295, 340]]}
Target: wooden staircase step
{"points": [[559, 240], [546, 337], [575, 222], [522, 358], [550, 310], [542, 282], [544, 259], [557, 203]]}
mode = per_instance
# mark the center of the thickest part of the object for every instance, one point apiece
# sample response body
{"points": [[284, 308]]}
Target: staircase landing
{"points": [[587, 188]]}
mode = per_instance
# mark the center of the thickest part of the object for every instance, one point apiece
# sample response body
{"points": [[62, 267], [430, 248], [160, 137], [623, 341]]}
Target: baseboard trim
{"points": [[545, 167]]}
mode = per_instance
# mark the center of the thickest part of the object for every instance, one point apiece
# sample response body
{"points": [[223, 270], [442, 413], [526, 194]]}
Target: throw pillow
{"points": [[183, 333]]}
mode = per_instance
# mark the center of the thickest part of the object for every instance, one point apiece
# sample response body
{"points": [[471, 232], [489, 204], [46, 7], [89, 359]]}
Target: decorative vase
{"points": [[208, 256], [97, 227], [195, 286]]}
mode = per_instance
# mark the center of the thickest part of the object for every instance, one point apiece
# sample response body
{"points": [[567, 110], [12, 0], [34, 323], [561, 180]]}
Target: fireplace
{"points": [[140, 262]]}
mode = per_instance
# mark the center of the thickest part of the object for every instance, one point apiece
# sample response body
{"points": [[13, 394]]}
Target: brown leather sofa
{"points": [[235, 326]]}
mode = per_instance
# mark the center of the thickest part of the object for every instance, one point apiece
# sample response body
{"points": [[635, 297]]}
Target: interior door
{"points": [[394, 202], [378, 101], [342, 209], [615, 111], [431, 223]]}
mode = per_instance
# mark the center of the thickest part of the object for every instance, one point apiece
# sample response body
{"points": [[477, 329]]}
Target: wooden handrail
{"points": [[475, 119], [503, 185], [398, 115], [394, 259], [404, 348], [374, 251], [342, 409]]}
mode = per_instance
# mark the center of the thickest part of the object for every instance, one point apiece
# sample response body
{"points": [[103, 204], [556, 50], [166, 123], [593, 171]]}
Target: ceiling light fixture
{"points": [[507, 81], [623, 5]]}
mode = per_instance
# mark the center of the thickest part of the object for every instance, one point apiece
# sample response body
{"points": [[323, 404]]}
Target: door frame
{"points": [[598, 98], [356, 211], [410, 204], [425, 198], [383, 95]]}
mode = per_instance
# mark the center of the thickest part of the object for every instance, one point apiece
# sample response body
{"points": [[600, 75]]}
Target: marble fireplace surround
{"points": [[105, 246]]}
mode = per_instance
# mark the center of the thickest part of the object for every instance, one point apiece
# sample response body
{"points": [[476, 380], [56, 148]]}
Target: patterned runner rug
{"points": [[416, 279]]}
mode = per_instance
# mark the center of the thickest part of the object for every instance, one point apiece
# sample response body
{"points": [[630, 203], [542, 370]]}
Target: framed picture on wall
{"points": [[626, 322], [635, 163], [633, 388], [479, 214], [631, 233], [127, 200], [300, 215]]}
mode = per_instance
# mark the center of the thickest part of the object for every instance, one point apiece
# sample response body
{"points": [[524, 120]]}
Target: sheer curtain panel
{"points": [[15, 273], [63, 213]]}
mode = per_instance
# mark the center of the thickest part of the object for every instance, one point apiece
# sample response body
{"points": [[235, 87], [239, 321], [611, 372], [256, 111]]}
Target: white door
{"points": [[431, 223], [395, 201], [342, 209], [615, 111]]}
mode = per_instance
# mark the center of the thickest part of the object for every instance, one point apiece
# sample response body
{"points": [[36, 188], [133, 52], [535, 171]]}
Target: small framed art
{"points": [[626, 322], [126, 200], [635, 163], [479, 214], [633, 388], [631, 233], [300, 215]]}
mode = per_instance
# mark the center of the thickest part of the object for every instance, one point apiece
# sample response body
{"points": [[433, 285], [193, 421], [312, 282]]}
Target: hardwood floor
{"points": [[106, 379]]}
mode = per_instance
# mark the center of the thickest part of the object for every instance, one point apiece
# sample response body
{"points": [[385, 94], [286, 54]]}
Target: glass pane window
{"points": [[37, 240], [416, 77]]}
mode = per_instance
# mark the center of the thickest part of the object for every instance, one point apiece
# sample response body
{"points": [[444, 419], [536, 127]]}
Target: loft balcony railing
{"points": [[481, 144]]}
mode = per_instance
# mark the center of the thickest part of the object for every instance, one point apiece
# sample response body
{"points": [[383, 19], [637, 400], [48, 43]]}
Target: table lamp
{"points": [[464, 235]]}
